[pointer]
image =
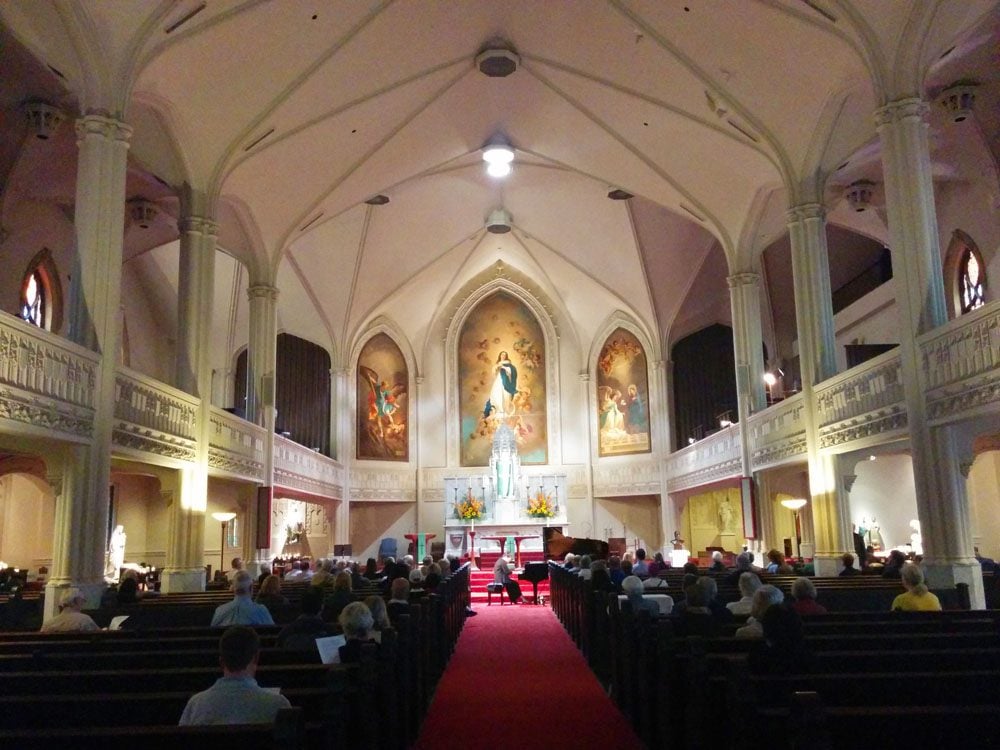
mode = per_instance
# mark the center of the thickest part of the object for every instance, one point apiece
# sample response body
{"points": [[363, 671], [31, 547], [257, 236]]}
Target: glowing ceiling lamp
{"points": [[498, 156]]}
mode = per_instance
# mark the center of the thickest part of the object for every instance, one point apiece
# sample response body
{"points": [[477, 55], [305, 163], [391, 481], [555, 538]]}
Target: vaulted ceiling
{"points": [[284, 117]]}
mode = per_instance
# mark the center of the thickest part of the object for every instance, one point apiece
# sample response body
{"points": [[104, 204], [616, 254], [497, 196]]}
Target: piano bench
{"points": [[491, 589]]}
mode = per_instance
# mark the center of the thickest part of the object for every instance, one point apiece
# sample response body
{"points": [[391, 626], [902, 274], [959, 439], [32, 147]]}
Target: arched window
{"points": [[971, 281], [41, 294], [964, 274], [33, 299]]}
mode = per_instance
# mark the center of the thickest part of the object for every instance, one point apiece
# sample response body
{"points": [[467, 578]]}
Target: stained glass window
{"points": [[970, 281], [33, 299]]}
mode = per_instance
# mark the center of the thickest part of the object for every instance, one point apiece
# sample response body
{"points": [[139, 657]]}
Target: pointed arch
{"points": [[620, 372], [549, 358], [964, 275], [41, 296], [384, 428]]}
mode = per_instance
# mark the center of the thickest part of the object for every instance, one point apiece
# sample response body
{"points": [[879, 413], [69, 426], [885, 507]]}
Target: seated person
{"points": [[584, 571], [371, 570], [237, 566], [640, 567], [748, 583], [658, 565], [270, 594], [632, 588], [763, 598], [380, 615], [777, 564], [339, 598], [242, 610], [717, 565], [615, 571], [70, 619], [702, 614], [357, 622], [917, 598], [849, 570], [894, 565], [399, 601], [265, 571], [744, 563], [128, 589], [301, 633], [804, 593], [235, 698]]}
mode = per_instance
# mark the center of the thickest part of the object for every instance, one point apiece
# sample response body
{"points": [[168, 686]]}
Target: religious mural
{"points": [[383, 429], [501, 380], [622, 396]]}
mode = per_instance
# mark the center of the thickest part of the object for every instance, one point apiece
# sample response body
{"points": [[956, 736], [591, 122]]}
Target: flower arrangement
{"points": [[540, 506], [470, 509]]}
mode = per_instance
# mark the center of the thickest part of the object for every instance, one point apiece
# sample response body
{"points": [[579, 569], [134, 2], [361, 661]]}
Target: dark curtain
{"points": [[302, 391], [704, 382]]}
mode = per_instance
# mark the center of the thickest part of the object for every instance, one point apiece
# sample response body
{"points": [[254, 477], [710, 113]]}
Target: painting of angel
{"points": [[383, 418], [622, 396]]}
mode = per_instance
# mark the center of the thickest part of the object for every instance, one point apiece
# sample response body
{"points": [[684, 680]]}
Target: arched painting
{"points": [[501, 379], [622, 396], [383, 418]]}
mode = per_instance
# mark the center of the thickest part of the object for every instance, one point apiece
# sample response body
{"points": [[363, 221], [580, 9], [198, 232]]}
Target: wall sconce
{"points": [[959, 99]]}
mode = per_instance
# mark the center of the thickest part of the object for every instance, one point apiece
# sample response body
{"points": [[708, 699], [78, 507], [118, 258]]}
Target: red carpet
{"points": [[517, 681]]}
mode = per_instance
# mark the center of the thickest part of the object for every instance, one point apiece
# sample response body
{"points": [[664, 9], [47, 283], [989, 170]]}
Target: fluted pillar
{"points": [[345, 430], [817, 362], [99, 223], [261, 367], [184, 570], [942, 505]]}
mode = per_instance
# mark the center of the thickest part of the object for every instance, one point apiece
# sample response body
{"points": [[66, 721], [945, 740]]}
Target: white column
{"points": [[99, 223], [748, 348], [184, 570], [345, 432], [817, 362], [261, 366], [660, 443], [589, 402], [942, 505]]}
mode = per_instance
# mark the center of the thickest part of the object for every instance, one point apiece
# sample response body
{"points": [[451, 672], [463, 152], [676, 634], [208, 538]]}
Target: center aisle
{"points": [[517, 681]]}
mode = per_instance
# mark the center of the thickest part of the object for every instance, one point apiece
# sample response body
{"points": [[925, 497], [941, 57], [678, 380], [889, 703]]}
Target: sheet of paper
{"points": [[116, 622], [329, 648]]}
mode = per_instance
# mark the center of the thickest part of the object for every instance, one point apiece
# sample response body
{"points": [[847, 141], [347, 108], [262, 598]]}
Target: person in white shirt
{"points": [[749, 583], [242, 610], [70, 619]]}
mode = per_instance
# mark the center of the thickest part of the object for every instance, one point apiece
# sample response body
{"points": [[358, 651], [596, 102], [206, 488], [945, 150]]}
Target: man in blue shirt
{"points": [[241, 610], [235, 698]]}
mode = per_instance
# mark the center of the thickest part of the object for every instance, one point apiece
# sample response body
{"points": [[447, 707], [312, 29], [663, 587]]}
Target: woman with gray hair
{"points": [[763, 599], [357, 621], [917, 597], [805, 597], [748, 583]]}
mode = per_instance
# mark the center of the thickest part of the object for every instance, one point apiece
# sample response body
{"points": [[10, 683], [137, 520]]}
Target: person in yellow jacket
{"points": [[917, 598]]}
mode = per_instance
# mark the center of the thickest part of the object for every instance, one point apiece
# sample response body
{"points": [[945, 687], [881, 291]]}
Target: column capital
{"points": [[584, 377], [806, 211], [418, 379], [743, 279], [198, 225], [913, 108], [659, 365], [103, 126], [262, 291]]}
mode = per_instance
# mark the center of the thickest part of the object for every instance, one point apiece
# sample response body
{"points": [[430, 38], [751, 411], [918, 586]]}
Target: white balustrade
{"points": [[298, 467], [40, 362], [778, 433], [147, 403], [709, 460], [235, 445]]}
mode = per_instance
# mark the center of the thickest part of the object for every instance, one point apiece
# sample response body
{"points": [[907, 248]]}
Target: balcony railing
{"points": [[236, 446], [154, 417], [709, 460], [49, 382], [301, 468], [778, 433], [961, 362]]}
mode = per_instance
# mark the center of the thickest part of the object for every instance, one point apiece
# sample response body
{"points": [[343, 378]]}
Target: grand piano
{"points": [[534, 572], [557, 545]]}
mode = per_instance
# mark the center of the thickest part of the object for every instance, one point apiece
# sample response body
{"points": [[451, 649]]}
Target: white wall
{"points": [[27, 510], [984, 499], [884, 490], [873, 319]]}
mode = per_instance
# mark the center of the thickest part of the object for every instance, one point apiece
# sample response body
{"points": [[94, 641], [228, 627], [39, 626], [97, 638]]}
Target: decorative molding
{"points": [[155, 407], [904, 109], [236, 464], [137, 438], [713, 459], [641, 477], [865, 426], [384, 484], [777, 433], [46, 414]]}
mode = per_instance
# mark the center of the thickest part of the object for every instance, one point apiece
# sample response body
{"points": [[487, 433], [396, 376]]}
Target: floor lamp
{"points": [[224, 519], [795, 505]]}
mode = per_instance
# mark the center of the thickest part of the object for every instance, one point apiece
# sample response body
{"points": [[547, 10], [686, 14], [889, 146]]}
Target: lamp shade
{"points": [[223, 517], [794, 503]]}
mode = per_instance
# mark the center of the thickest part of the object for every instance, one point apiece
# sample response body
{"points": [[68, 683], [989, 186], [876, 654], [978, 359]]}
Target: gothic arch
{"points": [[44, 266], [385, 325], [551, 336], [961, 244]]}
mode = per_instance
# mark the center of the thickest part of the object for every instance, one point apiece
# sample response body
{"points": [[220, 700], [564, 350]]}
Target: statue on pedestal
{"points": [[505, 465]]}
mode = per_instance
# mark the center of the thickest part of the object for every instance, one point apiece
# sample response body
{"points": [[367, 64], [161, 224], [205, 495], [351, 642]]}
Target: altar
{"points": [[502, 509]]}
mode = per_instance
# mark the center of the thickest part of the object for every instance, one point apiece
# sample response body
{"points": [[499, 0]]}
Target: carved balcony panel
{"points": [[863, 405], [961, 362], [710, 460], [778, 434], [46, 382], [299, 468], [236, 446], [153, 417]]}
